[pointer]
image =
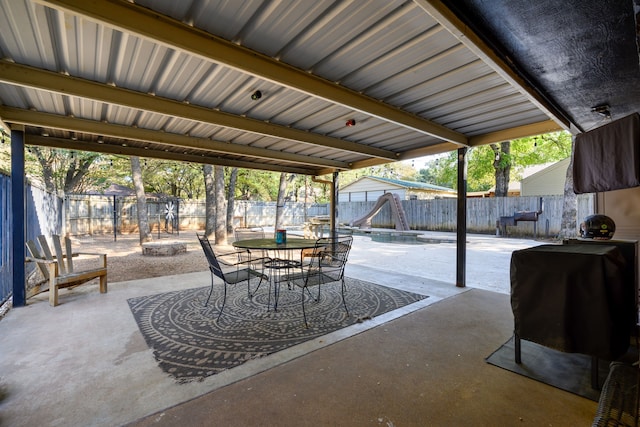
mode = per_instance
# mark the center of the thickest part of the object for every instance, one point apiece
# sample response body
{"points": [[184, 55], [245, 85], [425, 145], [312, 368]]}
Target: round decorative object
{"points": [[598, 227], [168, 211]]}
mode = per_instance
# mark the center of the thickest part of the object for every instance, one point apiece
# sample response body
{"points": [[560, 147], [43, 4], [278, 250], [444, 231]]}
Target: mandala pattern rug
{"points": [[190, 343]]}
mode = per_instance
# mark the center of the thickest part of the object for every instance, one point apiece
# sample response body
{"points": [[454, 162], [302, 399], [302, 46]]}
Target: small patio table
{"points": [[281, 262]]}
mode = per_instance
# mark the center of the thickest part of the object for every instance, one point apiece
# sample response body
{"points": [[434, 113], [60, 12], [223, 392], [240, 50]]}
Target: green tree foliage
{"points": [[442, 170], [176, 179], [70, 171], [5, 154], [62, 171], [257, 185]]}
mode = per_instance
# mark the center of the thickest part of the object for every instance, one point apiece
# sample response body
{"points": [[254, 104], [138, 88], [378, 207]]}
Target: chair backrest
{"points": [[330, 256], [214, 265], [44, 252], [244, 233]]}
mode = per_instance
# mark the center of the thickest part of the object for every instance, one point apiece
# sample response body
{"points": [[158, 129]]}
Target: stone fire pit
{"points": [[163, 248]]}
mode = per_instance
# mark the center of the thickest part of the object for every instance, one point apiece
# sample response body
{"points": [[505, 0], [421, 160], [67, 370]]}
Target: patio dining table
{"points": [[281, 258], [269, 244]]}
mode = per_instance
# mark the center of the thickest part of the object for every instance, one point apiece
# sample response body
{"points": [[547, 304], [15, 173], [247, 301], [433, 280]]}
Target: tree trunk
{"points": [[78, 168], [210, 200], [231, 198], [569, 224], [141, 200], [502, 166], [282, 192], [221, 217], [47, 169]]}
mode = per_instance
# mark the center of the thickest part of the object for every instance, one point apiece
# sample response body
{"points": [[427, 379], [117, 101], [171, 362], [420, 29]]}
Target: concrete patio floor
{"points": [[85, 362]]}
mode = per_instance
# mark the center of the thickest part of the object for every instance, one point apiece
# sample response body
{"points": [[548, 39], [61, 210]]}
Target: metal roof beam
{"points": [[47, 120], [443, 147], [134, 19], [158, 154], [524, 131], [23, 75]]}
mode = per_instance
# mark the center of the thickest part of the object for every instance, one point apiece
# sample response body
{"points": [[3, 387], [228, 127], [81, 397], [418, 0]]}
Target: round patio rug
{"points": [[190, 343]]}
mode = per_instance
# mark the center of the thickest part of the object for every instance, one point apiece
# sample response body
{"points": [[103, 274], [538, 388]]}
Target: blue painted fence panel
{"points": [[44, 215], [6, 244]]}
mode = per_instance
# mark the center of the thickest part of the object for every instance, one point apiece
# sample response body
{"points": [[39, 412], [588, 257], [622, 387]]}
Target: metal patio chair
{"points": [[255, 257], [232, 276], [325, 265]]}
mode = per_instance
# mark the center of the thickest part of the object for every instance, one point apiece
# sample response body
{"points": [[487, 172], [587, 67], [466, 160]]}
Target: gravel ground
{"points": [[126, 262]]}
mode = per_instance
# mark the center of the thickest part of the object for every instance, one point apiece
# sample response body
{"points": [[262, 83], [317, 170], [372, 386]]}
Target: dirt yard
{"points": [[126, 262]]}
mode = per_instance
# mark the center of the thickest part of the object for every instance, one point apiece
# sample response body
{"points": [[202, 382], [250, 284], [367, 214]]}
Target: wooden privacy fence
{"points": [[92, 214], [482, 214], [95, 214]]}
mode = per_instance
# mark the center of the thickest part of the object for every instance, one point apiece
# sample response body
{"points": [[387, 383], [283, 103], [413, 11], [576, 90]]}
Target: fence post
{"points": [[115, 219]]}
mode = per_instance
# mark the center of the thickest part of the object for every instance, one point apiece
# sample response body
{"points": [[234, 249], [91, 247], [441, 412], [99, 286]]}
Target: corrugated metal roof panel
{"points": [[396, 62]]}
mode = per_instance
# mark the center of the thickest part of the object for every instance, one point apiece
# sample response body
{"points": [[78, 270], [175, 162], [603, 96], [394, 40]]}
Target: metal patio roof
{"points": [[177, 80]]}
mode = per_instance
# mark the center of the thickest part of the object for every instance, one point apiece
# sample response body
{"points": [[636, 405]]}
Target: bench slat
{"points": [[59, 256], [35, 253], [67, 244], [45, 247], [81, 276]]}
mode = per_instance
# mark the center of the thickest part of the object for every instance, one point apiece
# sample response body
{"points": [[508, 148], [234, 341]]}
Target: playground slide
{"points": [[397, 212]]}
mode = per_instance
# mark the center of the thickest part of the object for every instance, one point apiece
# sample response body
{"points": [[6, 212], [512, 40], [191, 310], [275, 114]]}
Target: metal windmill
{"points": [[169, 216]]}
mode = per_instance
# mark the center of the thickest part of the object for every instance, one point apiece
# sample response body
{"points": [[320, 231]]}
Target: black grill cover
{"points": [[573, 298]]}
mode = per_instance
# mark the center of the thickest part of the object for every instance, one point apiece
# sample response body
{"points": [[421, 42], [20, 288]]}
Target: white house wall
{"points": [[623, 206], [368, 184], [368, 196], [547, 182], [367, 190]]}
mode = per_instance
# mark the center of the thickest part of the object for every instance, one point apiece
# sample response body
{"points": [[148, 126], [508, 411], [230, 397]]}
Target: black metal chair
{"points": [[231, 277], [255, 257], [325, 265], [243, 233]]}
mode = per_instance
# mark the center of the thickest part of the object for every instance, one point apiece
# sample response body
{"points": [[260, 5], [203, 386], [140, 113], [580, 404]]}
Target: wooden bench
{"points": [[58, 273]]}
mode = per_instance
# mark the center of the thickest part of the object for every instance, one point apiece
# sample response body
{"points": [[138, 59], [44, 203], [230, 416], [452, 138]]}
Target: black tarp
{"points": [[608, 158]]}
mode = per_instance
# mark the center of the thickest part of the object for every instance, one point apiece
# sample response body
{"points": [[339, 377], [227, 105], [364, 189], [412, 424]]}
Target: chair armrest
{"points": [[233, 259], [87, 253], [103, 257], [50, 266], [40, 260], [234, 253]]}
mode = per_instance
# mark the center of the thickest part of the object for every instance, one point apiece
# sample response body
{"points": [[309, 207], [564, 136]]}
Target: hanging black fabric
{"points": [[608, 158]]}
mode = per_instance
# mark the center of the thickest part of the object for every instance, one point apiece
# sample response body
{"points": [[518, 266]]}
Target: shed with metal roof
{"points": [[369, 188]]}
